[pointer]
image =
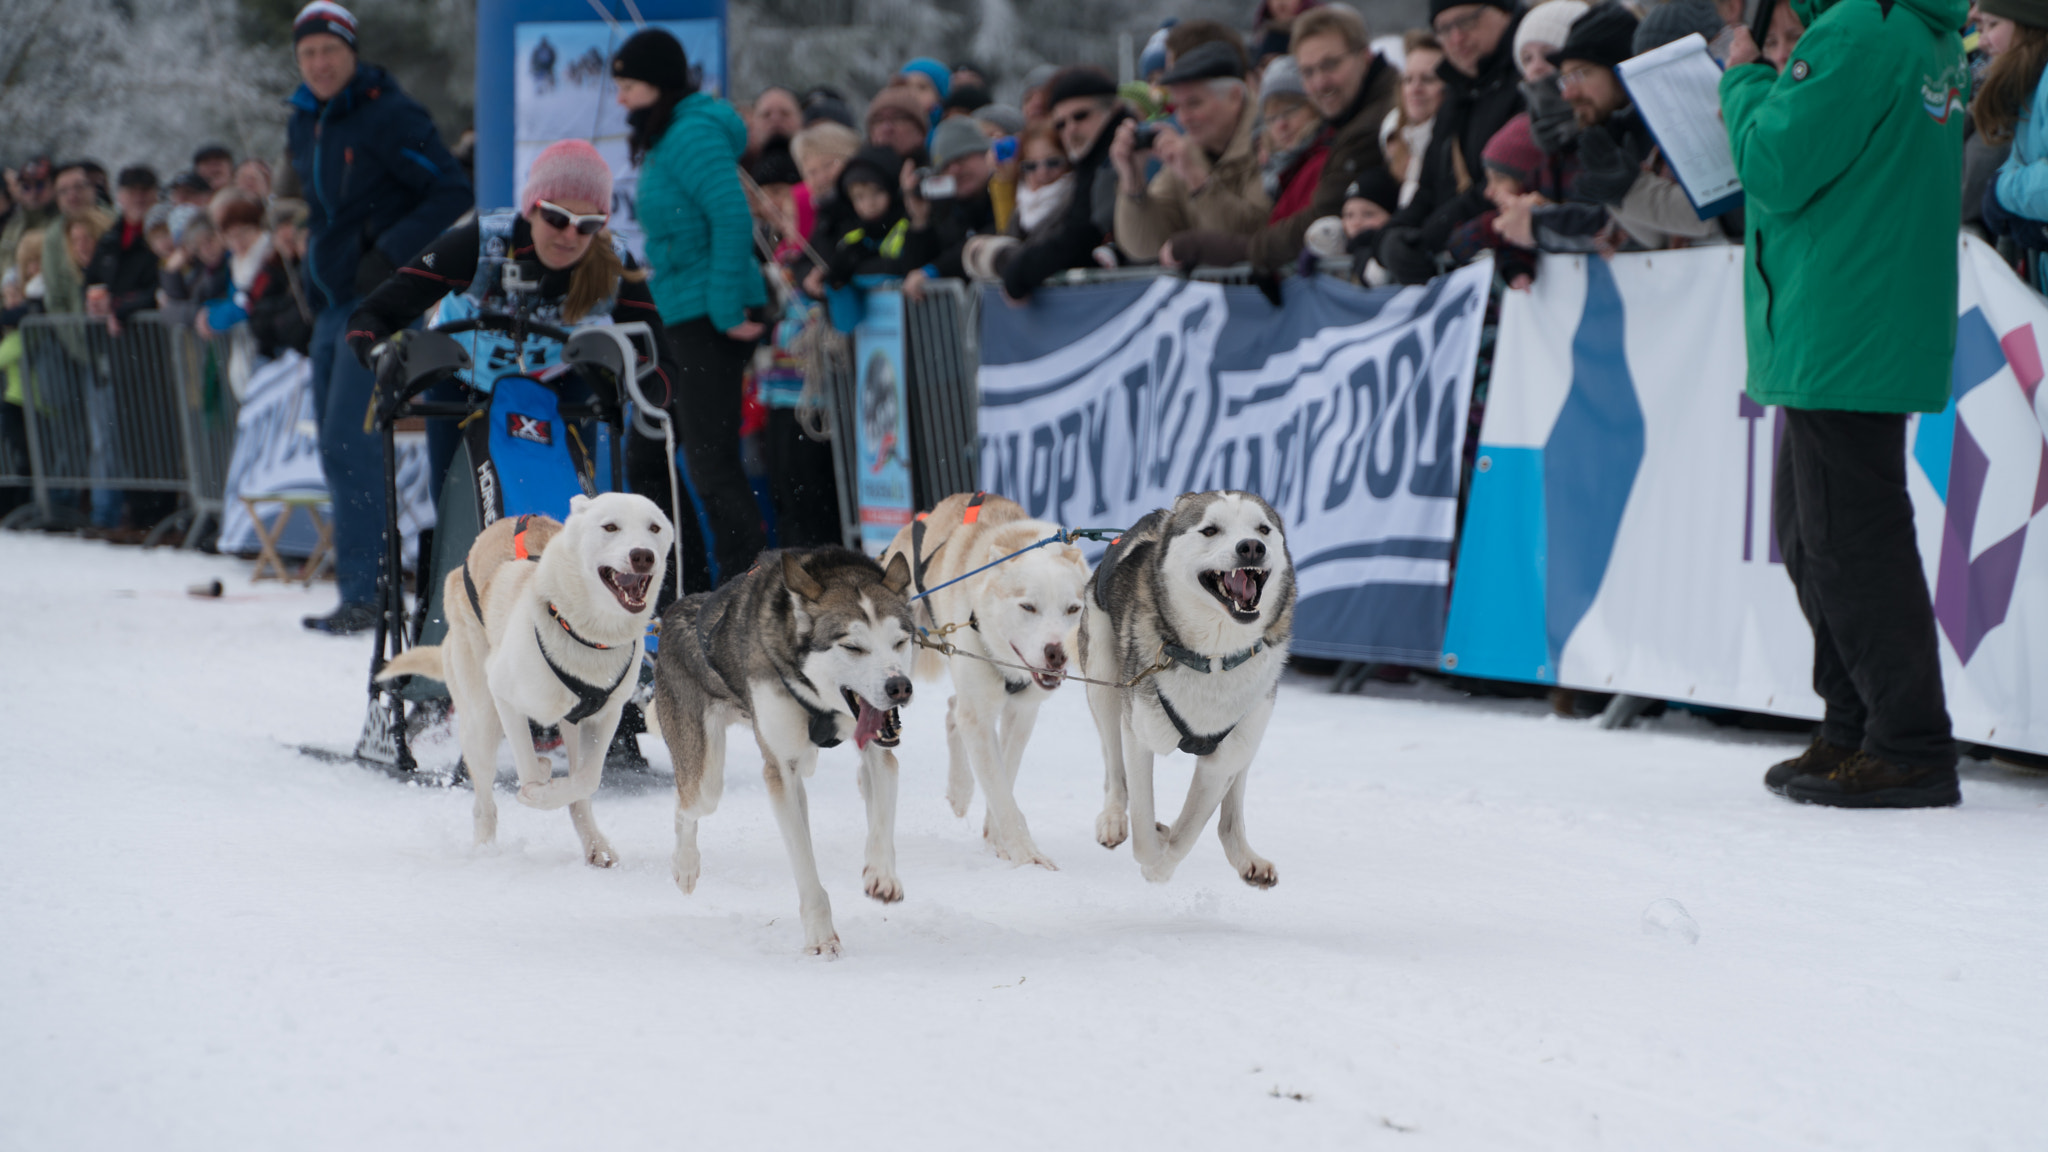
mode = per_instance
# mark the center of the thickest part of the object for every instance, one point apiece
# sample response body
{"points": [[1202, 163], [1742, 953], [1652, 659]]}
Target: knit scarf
{"points": [[1037, 205]]}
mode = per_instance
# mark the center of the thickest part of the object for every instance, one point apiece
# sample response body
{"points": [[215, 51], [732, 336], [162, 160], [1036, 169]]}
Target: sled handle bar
{"points": [[493, 321]]}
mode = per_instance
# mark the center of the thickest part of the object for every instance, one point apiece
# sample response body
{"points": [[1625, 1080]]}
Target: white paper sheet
{"points": [[1678, 90]]}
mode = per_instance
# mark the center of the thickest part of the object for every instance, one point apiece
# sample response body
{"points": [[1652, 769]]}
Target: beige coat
{"points": [[1232, 200]]}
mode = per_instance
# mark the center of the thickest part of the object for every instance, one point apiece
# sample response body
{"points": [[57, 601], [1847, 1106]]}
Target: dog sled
{"points": [[529, 441]]}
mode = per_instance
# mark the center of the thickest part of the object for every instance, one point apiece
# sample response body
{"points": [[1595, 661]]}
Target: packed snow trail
{"points": [[209, 941]]}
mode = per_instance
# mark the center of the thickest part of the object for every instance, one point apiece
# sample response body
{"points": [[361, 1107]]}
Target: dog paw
{"points": [[686, 874], [1259, 873], [887, 889], [1158, 871], [960, 793], [826, 947], [1112, 828], [598, 854]]}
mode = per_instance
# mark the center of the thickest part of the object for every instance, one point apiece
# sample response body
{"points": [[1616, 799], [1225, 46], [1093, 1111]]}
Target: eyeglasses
{"points": [[34, 185], [1462, 24], [1049, 164], [1576, 74], [1077, 119], [1325, 67], [561, 219]]}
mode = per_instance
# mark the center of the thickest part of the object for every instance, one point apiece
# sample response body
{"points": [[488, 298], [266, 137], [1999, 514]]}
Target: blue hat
{"points": [[940, 75]]}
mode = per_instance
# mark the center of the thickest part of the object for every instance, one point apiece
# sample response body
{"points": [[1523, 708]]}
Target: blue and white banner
{"points": [[1345, 409], [882, 433], [1619, 534], [277, 452]]}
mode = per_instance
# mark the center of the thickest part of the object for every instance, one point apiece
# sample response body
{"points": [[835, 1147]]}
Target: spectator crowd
{"points": [[1297, 138]]}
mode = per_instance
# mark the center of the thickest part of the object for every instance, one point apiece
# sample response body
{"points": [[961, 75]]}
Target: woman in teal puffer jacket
{"points": [[700, 251]]}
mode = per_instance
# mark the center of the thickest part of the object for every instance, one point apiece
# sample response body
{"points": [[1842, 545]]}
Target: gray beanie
{"points": [[1281, 77], [1040, 76], [1002, 116], [957, 137]]}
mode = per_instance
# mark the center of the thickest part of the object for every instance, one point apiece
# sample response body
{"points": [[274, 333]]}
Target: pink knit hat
{"points": [[568, 170]]}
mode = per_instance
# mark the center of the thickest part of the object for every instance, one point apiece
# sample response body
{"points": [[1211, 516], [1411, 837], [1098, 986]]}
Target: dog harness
{"points": [[519, 552], [590, 699], [919, 562], [1191, 741]]}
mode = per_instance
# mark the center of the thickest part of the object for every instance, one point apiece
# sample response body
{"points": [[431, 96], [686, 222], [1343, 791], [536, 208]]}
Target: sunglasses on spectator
{"points": [[562, 220], [1049, 164], [1462, 24], [34, 185], [1077, 119]]}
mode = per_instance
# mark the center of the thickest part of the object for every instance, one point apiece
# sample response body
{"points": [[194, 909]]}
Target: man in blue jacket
{"points": [[379, 186]]}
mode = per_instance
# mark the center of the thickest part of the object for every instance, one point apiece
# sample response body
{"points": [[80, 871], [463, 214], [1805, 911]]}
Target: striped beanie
{"points": [[324, 18]]}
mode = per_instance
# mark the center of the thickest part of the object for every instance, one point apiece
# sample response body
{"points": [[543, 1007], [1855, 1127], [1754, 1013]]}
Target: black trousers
{"points": [[1845, 528], [805, 483], [707, 408]]}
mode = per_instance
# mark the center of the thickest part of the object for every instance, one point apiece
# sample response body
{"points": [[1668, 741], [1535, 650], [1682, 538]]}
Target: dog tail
{"points": [[416, 662]]}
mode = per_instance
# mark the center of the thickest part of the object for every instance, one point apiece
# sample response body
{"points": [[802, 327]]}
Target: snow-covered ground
{"points": [[208, 940]]}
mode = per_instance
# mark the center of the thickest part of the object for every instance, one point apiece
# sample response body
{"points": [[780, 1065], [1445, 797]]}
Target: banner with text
{"points": [[277, 452], [1619, 536], [1344, 408]]}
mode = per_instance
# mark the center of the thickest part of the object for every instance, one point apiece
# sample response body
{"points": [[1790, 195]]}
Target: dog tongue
{"points": [[868, 724], [1239, 583]]}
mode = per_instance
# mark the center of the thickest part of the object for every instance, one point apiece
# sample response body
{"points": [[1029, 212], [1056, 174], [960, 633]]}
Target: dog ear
{"points": [[897, 576], [798, 580], [578, 503]]}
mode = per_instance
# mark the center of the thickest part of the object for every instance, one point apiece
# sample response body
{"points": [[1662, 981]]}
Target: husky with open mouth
{"points": [[1203, 592], [1023, 611], [556, 640], [811, 647]]}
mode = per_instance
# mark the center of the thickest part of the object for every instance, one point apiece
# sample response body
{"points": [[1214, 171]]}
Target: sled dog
{"points": [[811, 647], [545, 623], [1025, 610], [1204, 593]]}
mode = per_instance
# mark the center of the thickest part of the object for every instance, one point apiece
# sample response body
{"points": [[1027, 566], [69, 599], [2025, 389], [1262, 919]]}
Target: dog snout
{"points": [[642, 559], [1251, 550], [898, 689], [1055, 657]]}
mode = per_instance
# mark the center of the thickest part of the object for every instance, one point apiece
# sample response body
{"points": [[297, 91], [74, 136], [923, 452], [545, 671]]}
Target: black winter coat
{"points": [[124, 262], [1087, 220], [1474, 108]]}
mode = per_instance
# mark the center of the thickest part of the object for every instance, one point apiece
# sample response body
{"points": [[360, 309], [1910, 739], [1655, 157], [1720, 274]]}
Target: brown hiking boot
{"points": [[1819, 759], [1866, 781]]}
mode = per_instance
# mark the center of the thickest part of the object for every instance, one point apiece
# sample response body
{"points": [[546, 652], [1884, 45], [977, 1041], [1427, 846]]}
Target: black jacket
{"points": [[1087, 220], [1474, 108], [279, 316], [124, 263], [447, 266], [952, 223]]}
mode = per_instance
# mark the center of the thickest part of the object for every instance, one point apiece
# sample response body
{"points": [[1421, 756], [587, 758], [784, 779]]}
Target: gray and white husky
{"points": [[1206, 590], [811, 647]]}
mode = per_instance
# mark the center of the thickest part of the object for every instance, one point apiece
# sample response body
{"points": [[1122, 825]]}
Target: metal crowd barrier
{"points": [[149, 410]]}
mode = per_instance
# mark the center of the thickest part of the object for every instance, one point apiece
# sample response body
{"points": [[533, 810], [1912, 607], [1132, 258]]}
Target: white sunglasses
{"points": [[562, 220]]}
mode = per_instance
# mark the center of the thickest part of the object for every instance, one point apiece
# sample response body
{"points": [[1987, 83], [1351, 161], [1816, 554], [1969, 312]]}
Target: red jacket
{"points": [[1301, 188]]}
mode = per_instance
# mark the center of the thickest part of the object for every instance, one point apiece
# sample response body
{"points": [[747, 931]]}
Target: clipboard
{"points": [[1677, 88]]}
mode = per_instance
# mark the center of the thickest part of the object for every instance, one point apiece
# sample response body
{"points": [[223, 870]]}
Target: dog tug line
{"points": [[1170, 652]]}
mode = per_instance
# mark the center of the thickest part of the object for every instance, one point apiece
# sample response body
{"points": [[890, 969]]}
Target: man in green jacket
{"points": [[1851, 160]]}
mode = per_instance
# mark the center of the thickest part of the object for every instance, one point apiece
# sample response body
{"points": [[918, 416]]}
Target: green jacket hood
{"points": [[719, 114], [1939, 15]]}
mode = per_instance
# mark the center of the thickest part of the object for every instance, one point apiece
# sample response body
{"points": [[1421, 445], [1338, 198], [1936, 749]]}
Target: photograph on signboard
{"points": [[562, 90]]}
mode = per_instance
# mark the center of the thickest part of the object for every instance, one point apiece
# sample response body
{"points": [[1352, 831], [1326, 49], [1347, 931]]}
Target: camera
{"points": [[1144, 137]]}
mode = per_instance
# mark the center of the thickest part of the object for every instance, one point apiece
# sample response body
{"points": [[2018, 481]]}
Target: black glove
{"points": [[373, 268], [1552, 123], [1404, 255], [1606, 172], [362, 344]]}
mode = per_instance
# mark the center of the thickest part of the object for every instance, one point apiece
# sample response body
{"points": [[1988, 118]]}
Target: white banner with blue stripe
{"points": [[1619, 535], [1345, 409]]}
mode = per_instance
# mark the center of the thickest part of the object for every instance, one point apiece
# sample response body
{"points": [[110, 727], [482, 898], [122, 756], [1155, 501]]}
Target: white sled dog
{"points": [[811, 647], [1204, 593], [554, 641], [1025, 610]]}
